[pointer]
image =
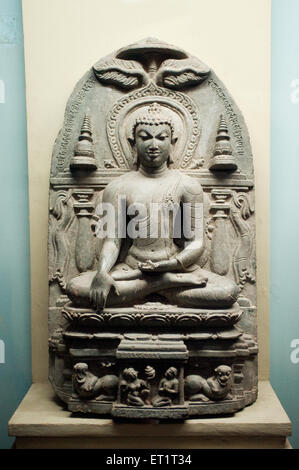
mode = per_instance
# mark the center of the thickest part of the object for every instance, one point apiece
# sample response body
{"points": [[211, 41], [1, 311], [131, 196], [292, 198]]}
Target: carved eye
{"points": [[162, 136], [144, 136]]}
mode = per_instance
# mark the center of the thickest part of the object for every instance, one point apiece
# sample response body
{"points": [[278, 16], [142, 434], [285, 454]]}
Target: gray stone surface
{"points": [[154, 326], [42, 421]]}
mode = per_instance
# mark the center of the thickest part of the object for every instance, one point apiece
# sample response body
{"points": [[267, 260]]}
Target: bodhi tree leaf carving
{"points": [[126, 74], [179, 74]]}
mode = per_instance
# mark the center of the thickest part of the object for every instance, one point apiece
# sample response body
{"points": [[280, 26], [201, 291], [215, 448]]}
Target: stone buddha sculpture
{"points": [[152, 298], [161, 265]]}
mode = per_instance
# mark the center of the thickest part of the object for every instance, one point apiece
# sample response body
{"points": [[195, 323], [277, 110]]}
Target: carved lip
{"points": [[153, 154]]}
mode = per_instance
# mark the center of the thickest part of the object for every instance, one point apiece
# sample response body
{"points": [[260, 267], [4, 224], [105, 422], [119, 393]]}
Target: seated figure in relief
{"points": [[164, 265]]}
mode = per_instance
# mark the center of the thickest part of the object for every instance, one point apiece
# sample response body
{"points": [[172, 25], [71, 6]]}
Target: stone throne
{"points": [[153, 358]]}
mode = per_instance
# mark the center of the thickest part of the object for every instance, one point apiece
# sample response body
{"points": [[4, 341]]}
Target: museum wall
{"points": [[284, 227], [64, 38]]}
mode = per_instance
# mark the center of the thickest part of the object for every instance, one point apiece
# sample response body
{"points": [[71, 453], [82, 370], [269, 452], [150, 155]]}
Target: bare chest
{"points": [[153, 190]]}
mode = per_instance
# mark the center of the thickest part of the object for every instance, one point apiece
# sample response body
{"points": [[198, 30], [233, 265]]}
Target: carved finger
{"points": [[116, 288], [99, 301], [93, 299], [203, 282], [104, 297]]}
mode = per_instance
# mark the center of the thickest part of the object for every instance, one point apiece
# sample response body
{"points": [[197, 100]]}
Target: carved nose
{"points": [[153, 144]]}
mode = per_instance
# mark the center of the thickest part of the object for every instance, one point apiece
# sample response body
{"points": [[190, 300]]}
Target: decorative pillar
{"points": [[220, 248], [238, 377]]}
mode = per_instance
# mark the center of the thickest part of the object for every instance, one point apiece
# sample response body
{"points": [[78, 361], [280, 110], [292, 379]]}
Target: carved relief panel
{"points": [[184, 344]]}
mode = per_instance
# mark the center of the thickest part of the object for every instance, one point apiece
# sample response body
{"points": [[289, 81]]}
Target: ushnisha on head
{"points": [[153, 115], [153, 136]]}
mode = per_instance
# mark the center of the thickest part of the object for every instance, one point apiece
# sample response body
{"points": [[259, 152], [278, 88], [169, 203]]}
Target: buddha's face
{"points": [[153, 144]]}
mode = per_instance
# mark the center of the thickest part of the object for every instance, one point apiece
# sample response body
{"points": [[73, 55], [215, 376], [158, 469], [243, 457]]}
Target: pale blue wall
{"points": [[284, 288], [15, 372]]}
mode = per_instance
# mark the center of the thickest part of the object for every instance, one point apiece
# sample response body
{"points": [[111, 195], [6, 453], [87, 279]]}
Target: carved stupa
{"points": [[223, 159], [83, 158]]}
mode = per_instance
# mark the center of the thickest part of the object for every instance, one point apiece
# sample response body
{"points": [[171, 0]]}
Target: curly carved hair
{"points": [[154, 115]]}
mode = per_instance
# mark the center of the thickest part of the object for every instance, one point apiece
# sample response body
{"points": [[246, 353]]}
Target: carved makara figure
{"points": [[153, 265], [151, 242], [88, 385]]}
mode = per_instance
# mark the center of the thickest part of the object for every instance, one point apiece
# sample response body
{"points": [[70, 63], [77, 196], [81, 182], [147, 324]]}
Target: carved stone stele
{"points": [[152, 303]]}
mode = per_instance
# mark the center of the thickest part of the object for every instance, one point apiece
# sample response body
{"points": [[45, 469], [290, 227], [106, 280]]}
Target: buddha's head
{"points": [[153, 137]]}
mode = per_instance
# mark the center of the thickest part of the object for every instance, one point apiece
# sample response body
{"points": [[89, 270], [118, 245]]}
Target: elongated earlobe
{"points": [[135, 158], [131, 141], [134, 153], [170, 160]]}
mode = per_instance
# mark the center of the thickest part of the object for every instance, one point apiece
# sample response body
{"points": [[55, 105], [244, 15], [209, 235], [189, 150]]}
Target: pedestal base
{"points": [[207, 372], [41, 421]]}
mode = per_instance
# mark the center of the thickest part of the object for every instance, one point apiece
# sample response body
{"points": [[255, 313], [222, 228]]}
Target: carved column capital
{"points": [[83, 206], [84, 250], [220, 206]]}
